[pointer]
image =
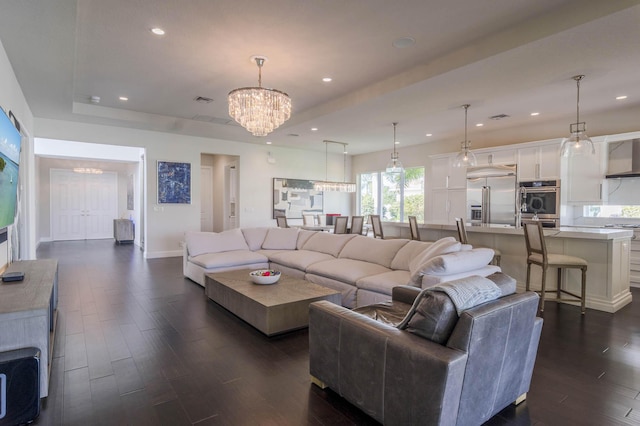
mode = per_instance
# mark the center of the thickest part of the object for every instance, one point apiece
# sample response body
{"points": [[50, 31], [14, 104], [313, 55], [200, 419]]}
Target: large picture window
{"points": [[393, 196]]}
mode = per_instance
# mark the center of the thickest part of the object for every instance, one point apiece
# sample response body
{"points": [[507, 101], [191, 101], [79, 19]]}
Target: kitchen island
{"points": [[606, 250]]}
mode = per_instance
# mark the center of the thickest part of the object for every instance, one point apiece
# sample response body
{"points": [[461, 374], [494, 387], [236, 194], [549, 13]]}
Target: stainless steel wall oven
{"points": [[540, 200]]}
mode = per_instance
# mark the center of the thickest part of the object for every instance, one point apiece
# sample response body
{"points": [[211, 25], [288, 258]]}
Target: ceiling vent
{"points": [[498, 117], [203, 99], [214, 120]]}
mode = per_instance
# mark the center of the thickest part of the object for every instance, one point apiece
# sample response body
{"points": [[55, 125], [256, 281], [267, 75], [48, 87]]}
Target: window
{"points": [[393, 196]]}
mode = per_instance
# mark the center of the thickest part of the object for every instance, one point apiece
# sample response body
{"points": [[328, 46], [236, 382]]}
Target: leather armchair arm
{"points": [[405, 293], [384, 370]]}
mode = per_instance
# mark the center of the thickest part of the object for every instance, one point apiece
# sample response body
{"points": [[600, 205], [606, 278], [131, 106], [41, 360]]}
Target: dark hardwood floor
{"points": [[138, 344]]}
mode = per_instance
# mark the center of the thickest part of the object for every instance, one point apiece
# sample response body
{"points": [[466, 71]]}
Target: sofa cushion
{"points": [[385, 282], [212, 242], [281, 239], [408, 252], [303, 236], [455, 263], [254, 237], [418, 265], [348, 271], [229, 258], [324, 242], [299, 259], [372, 250]]}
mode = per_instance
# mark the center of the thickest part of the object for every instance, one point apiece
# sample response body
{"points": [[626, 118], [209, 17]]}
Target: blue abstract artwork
{"points": [[174, 183]]}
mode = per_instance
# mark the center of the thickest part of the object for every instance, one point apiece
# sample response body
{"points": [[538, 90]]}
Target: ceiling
{"points": [[509, 57]]}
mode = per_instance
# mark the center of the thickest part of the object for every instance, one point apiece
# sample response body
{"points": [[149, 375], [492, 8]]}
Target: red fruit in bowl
{"points": [[266, 273]]}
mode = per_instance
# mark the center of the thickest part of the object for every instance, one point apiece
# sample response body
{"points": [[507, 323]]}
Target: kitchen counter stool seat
{"points": [[537, 255]]}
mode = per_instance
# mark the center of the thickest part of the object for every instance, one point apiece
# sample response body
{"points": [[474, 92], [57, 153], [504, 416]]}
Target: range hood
{"points": [[635, 163]]}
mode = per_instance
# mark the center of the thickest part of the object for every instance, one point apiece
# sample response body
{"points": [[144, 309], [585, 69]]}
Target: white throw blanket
{"points": [[468, 292]]}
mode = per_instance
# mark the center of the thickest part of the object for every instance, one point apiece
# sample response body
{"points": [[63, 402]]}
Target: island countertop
{"points": [[591, 233]]}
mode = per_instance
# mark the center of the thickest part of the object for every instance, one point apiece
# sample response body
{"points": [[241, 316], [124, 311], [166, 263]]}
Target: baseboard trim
{"points": [[159, 254]]}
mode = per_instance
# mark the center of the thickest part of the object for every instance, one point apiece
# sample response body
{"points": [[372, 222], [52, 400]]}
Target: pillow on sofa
{"points": [[417, 265], [456, 263], [372, 250], [281, 239], [326, 243], [436, 310], [211, 242], [303, 236]]}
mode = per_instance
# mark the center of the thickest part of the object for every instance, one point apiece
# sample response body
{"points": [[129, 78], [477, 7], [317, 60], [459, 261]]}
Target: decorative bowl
{"points": [[265, 276]]}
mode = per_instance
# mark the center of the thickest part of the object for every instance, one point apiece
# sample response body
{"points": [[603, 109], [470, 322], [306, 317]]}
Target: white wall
{"points": [[12, 99], [166, 223]]}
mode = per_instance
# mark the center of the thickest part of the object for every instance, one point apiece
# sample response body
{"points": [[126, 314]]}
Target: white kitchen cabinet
{"points": [[585, 180], [447, 204], [498, 156], [540, 162], [445, 175]]}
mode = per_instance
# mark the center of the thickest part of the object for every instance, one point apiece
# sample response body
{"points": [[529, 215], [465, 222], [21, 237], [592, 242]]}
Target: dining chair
{"points": [[462, 237], [537, 255], [413, 227], [282, 221], [308, 219], [377, 226], [340, 224], [357, 222]]}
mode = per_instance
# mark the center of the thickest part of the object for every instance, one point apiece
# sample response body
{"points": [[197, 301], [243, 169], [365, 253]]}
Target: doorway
{"points": [[224, 188]]}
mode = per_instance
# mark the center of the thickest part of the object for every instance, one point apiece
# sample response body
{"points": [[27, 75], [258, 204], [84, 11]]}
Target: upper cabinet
{"points": [[584, 181], [444, 175], [496, 156], [539, 162]]}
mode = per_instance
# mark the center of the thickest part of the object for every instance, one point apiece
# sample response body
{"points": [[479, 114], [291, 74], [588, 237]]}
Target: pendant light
{"points": [[578, 143], [394, 165], [465, 157], [327, 185]]}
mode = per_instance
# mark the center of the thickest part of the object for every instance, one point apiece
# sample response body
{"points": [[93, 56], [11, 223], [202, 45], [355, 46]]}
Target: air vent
{"points": [[214, 120], [203, 100], [293, 135], [498, 117]]}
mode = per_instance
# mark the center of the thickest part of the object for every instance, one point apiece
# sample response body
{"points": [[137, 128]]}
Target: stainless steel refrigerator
{"points": [[491, 194]]}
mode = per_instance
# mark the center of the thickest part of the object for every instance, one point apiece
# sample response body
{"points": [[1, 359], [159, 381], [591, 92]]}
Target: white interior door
{"points": [[206, 198], [83, 206]]}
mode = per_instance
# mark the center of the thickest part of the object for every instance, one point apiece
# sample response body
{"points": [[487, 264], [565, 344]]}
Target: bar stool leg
{"points": [[559, 286], [528, 275], [584, 288], [543, 292]]}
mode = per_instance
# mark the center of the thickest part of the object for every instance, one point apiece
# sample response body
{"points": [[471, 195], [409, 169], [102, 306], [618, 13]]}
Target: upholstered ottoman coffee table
{"points": [[272, 309]]}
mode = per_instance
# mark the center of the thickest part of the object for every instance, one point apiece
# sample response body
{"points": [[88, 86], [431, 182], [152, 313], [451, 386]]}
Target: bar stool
{"points": [[413, 227], [376, 223], [462, 237], [537, 255]]}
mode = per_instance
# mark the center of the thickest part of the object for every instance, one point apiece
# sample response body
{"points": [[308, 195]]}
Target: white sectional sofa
{"points": [[363, 269]]}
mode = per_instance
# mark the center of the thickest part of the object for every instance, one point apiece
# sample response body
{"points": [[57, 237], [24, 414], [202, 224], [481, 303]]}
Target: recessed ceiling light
{"points": [[479, 125], [269, 142], [619, 98], [157, 31], [429, 134], [403, 42], [314, 129], [397, 142], [123, 98], [327, 79], [533, 114]]}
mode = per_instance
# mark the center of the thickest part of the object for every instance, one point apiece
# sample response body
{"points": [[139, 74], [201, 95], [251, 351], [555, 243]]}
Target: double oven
{"points": [[540, 200]]}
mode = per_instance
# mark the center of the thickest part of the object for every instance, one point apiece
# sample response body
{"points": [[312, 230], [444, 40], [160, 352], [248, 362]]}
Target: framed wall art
{"points": [[174, 183], [293, 197]]}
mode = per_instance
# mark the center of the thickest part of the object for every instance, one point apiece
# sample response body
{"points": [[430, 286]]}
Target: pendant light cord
{"points": [[578, 78]]}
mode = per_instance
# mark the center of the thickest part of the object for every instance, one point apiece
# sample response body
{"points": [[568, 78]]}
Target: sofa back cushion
{"points": [[408, 252], [418, 266], [281, 239], [211, 242], [324, 242], [303, 236], [372, 250], [254, 237]]}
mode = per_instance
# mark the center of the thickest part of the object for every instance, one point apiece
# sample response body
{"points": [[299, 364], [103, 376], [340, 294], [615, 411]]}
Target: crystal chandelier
{"points": [[257, 109], [578, 143], [327, 185], [465, 157], [394, 165]]}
